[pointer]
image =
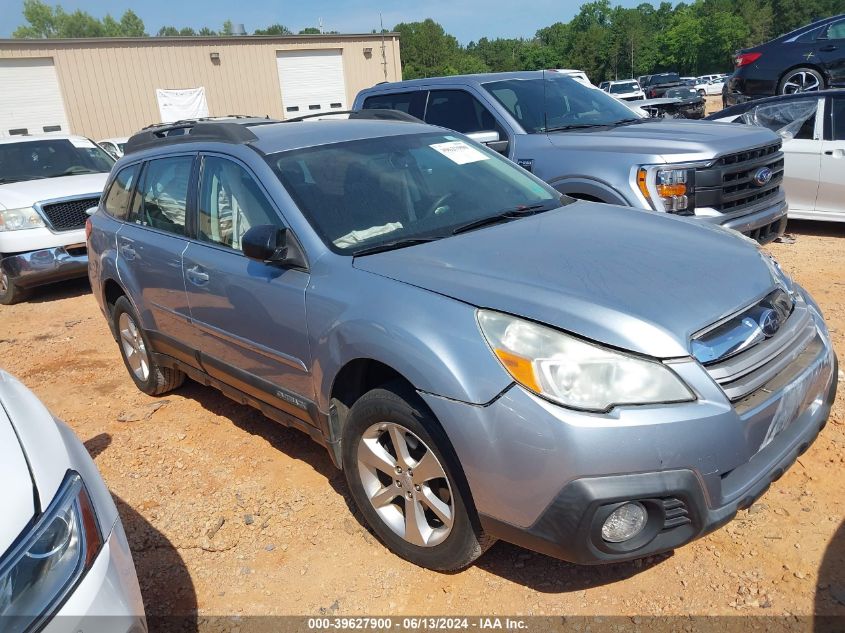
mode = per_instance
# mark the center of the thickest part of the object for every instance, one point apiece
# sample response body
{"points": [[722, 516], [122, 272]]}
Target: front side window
{"points": [[458, 110], [117, 200], [365, 193], [412, 103], [541, 105], [230, 202], [51, 158], [163, 194], [837, 115]]}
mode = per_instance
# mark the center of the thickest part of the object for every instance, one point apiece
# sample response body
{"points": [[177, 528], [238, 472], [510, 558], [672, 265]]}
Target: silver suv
{"points": [[483, 357], [589, 145]]}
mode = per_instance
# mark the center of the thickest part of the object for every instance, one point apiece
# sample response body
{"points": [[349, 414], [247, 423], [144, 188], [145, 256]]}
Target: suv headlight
{"points": [[49, 559], [575, 373], [17, 219], [668, 189]]}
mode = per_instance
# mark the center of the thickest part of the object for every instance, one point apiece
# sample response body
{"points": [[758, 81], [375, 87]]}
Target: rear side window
{"points": [[411, 102], [163, 194], [230, 203], [460, 111], [838, 118], [120, 193]]}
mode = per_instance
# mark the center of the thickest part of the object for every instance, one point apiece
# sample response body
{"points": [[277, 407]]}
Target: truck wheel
{"points": [[9, 292], [135, 348], [406, 483], [800, 80]]}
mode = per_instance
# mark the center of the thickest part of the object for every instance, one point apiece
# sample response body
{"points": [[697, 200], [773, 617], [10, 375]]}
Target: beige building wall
{"points": [[108, 85]]}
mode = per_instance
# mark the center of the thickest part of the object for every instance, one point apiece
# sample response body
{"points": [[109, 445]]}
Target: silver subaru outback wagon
{"points": [[484, 358]]}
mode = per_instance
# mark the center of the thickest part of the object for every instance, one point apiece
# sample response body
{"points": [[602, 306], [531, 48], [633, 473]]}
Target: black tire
{"points": [[787, 76], [159, 380], [702, 93], [399, 405], [9, 292]]}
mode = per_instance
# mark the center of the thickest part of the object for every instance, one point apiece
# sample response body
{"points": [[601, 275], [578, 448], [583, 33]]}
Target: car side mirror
{"points": [[91, 211], [490, 138], [273, 245]]}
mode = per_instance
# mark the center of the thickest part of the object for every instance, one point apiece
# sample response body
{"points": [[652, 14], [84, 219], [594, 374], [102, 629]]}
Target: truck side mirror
{"points": [[490, 138]]}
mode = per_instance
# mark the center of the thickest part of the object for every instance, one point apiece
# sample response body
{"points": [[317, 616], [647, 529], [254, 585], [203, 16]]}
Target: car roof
{"points": [[278, 137], [480, 78], [743, 107], [115, 139], [807, 27], [24, 138]]}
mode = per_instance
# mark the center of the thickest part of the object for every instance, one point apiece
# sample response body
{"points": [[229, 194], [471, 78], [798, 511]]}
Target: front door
{"points": [[831, 51], [248, 317]]}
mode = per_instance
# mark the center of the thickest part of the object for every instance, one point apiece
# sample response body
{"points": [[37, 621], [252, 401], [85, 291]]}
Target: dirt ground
{"points": [[229, 513]]}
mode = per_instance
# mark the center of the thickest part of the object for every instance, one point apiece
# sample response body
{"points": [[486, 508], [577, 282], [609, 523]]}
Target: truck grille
{"points": [[752, 376], [68, 214], [729, 185]]}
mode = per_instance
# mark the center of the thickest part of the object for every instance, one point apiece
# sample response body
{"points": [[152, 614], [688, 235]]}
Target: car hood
{"points": [[17, 497], [674, 140], [15, 195], [631, 279]]}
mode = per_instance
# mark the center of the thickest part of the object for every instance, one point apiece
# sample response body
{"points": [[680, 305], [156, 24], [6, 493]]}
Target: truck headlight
{"points": [[669, 190], [17, 219], [573, 372], [49, 559]]}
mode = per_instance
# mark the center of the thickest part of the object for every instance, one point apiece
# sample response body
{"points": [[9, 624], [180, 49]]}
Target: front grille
{"points": [[752, 376], [728, 185], [68, 214], [675, 513]]}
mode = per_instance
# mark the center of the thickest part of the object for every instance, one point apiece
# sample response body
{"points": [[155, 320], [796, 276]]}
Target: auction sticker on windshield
{"points": [[82, 143], [459, 152]]}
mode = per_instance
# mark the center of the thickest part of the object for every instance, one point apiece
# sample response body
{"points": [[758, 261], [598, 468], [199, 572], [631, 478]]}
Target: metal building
{"points": [[104, 87]]}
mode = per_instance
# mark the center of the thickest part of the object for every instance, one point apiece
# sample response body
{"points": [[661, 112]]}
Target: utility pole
{"points": [[383, 54], [632, 56]]}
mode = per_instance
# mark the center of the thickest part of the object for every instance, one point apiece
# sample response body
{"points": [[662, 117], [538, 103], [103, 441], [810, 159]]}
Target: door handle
{"points": [[836, 153], [128, 251], [197, 276], [828, 48]]}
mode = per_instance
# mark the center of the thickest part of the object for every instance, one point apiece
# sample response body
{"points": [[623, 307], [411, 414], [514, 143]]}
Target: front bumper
{"points": [[762, 225], [108, 599], [544, 477], [45, 266]]}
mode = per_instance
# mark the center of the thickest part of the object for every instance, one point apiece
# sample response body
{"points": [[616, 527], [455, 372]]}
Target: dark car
{"points": [[807, 59], [656, 85], [690, 103]]}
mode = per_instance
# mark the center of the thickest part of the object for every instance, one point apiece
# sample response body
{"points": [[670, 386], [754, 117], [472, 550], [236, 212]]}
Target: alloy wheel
{"points": [[134, 348], [406, 484], [801, 81]]}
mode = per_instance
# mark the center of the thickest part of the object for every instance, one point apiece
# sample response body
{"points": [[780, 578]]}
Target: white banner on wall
{"points": [[175, 105]]}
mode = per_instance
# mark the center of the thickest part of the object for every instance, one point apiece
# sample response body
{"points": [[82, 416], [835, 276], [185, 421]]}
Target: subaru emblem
{"points": [[769, 322], [762, 176]]}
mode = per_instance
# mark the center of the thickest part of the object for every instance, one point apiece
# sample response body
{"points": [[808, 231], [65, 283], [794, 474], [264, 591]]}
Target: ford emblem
{"points": [[762, 176], [769, 322]]}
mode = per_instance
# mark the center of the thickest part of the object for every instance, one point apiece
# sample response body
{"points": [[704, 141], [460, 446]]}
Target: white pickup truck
{"points": [[47, 183]]}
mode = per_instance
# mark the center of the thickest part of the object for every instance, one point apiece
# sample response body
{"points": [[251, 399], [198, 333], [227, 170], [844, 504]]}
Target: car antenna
{"points": [[545, 107]]}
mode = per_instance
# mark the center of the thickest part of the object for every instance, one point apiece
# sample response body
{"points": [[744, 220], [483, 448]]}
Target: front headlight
{"points": [[17, 219], [575, 373], [46, 563], [667, 189]]}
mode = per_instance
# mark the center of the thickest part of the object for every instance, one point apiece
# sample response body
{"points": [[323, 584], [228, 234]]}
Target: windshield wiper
{"points": [[578, 126], [504, 216], [393, 245]]}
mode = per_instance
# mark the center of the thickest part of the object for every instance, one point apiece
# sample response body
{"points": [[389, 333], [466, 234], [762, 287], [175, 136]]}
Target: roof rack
{"points": [[233, 129], [375, 113]]}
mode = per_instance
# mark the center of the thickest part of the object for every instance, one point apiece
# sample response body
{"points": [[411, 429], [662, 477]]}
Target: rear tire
{"points": [[801, 80], [9, 292], [136, 351], [426, 517]]}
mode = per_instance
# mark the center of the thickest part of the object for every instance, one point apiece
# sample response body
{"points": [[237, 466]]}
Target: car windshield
{"points": [[628, 86], [681, 93], [50, 158], [665, 78], [541, 105], [366, 193]]}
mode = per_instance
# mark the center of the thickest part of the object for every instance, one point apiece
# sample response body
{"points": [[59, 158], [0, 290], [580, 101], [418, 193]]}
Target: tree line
{"points": [[606, 41]]}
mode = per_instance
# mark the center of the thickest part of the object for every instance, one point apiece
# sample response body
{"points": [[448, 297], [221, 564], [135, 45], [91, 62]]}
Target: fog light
{"points": [[624, 523]]}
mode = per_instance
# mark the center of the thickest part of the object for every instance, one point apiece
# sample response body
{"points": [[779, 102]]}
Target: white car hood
{"points": [[15, 195], [17, 497]]}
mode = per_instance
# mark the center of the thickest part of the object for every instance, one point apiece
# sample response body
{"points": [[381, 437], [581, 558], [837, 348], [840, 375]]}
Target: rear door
{"points": [[248, 317], [150, 247], [831, 198]]}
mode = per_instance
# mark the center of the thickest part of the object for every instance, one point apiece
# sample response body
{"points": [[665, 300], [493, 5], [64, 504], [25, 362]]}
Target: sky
{"points": [[465, 19]]}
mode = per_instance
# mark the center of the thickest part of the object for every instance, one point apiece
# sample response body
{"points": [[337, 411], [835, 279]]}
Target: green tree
{"points": [[427, 50], [46, 21], [228, 28], [131, 25], [206, 32], [274, 29], [311, 30], [168, 31]]}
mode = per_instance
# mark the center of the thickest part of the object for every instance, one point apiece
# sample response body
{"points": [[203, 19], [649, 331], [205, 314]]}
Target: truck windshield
{"points": [[542, 105], [665, 78], [50, 158], [628, 86], [398, 190]]}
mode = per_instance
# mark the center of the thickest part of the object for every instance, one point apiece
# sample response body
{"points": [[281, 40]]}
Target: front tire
{"points": [[135, 349], [9, 292], [406, 483], [801, 80]]}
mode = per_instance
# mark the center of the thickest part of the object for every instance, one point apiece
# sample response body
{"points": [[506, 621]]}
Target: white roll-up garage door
{"points": [[30, 97], [312, 81]]}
